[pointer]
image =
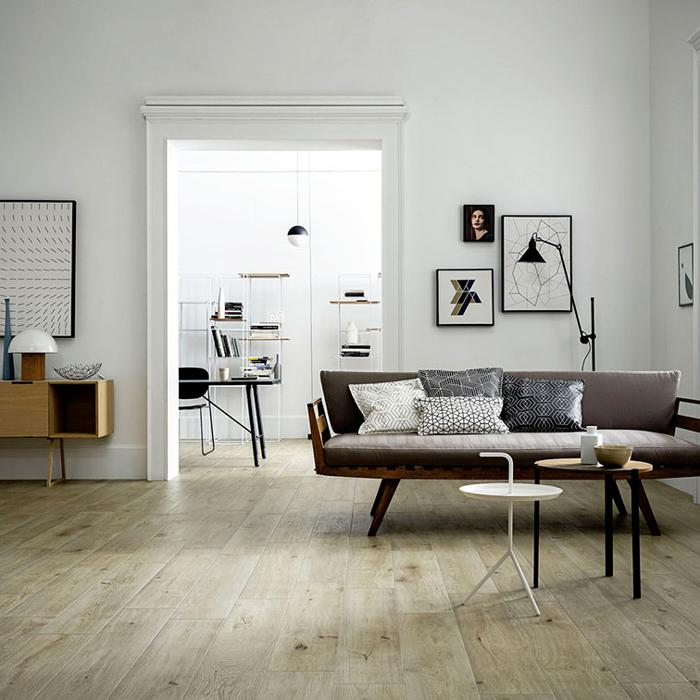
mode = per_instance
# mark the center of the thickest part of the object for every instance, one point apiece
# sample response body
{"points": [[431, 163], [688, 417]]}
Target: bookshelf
{"points": [[359, 301]]}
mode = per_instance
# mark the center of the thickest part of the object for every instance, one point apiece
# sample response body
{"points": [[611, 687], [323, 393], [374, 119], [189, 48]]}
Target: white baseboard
{"points": [[687, 484], [27, 459]]}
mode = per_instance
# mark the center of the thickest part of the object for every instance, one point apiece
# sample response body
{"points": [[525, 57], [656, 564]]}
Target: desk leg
{"points": [[536, 538], [608, 525], [636, 574], [251, 423], [261, 430]]}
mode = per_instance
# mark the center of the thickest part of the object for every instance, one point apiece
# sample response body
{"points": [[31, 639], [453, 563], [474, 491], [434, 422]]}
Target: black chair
{"points": [[189, 392]]}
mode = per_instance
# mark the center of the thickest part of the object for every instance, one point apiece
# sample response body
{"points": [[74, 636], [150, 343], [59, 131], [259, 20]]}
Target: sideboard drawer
{"points": [[24, 409]]}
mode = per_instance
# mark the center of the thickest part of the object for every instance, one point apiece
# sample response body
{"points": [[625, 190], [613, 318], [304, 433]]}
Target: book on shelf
{"points": [[356, 346], [234, 347], [354, 293], [265, 326], [225, 345], [218, 345], [261, 366], [354, 353]]}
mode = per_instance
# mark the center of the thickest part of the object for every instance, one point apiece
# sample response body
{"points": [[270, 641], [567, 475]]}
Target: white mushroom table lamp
{"points": [[33, 344]]}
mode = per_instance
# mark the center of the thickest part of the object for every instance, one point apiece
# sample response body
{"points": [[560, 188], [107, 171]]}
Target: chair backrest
{"points": [[193, 391]]}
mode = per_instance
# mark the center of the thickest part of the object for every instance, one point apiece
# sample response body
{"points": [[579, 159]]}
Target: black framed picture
{"points": [[464, 297], [479, 223], [536, 286], [686, 277], [37, 265]]}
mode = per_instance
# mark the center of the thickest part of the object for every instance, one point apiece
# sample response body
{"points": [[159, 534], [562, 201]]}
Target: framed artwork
{"points": [[37, 265], [464, 297], [535, 286], [479, 223], [686, 278]]}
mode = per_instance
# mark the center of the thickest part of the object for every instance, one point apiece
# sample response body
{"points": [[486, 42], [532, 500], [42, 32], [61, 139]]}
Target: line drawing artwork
{"points": [[37, 265], [535, 287]]}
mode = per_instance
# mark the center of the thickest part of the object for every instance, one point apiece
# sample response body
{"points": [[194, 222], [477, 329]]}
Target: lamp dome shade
{"points": [[531, 255], [298, 236], [33, 340]]}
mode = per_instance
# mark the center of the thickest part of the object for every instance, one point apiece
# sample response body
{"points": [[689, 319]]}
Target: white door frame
{"points": [[171, 122]]}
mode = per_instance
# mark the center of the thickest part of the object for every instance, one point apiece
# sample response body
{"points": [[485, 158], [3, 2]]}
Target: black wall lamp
{"points": [[533, 256]]}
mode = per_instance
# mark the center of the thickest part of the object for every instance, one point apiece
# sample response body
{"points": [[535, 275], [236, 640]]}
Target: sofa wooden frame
{"points": [[391, 475]]}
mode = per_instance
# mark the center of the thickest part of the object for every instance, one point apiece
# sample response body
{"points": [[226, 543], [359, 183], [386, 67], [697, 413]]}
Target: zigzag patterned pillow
{"points": [[542, 405], [484, 381], [388, 407], [459, 415]]}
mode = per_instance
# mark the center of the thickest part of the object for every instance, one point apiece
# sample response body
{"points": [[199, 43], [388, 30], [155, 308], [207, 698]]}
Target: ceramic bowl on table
{"points": [[613, 456]]}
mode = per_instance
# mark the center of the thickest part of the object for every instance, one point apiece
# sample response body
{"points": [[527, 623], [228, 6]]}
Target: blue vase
{"points": [[8, 366]]}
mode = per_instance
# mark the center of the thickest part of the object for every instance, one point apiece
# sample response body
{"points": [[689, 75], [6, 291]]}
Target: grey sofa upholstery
{"points": [[636, 408]]}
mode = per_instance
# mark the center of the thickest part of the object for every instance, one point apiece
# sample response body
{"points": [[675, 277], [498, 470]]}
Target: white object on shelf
{"points": [[221, 305], [509, 492], [353, 334], [589, 442]]}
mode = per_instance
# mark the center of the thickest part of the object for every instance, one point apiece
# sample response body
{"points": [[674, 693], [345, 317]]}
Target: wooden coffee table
{"points": [[631, 472]]}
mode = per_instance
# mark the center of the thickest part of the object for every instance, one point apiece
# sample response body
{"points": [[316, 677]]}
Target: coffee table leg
{"points": [[636, 574], [536, 538], [608, 525]]}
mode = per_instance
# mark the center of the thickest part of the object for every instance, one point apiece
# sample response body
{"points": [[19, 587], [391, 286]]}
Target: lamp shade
{"points": [[298, 236], [532, 255], [33, 340]]}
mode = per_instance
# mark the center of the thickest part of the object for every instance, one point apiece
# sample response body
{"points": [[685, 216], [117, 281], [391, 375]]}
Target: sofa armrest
{"points": [[320, 433], [685, 422]]}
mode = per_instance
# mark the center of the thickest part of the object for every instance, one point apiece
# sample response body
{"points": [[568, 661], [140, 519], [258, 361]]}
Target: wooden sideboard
{"points": [[57, 410]]}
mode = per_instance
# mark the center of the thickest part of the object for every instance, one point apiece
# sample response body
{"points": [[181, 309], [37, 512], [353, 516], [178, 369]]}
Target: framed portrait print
{"points": [[535, 286], [37, 265], [479, 223], [464, 297], [686, 278]]}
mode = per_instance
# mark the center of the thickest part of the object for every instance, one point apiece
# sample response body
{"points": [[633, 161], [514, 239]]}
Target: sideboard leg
{"points": [[49, 475], [388, 488], [63, 459]]}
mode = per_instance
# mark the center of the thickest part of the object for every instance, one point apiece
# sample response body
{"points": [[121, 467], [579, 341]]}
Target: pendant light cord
{"points": [[311, 286]]}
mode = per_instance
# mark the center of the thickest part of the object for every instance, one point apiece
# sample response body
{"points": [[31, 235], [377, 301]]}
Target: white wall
{"points": [[672, 24], [235, 208], [538, 106]]}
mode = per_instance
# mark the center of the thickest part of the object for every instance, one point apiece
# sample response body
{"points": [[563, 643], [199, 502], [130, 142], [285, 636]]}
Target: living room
{"points": [[228, 580]]}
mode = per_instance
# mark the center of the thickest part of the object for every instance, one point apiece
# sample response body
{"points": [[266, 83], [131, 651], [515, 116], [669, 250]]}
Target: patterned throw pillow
{"points": [[485, 381], [388, 407], [542, 405], [459, 415]]}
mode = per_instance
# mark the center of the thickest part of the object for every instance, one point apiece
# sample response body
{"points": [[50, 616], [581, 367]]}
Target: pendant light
{"points": [[298, 236]]}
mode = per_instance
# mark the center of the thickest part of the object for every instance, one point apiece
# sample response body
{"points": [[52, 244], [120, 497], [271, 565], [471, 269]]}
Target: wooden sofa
{"points": [[637, 408]]}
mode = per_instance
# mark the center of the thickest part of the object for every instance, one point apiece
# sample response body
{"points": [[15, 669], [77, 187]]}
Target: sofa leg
{"points": [[617, 498], [386, 492], [647, 512]]}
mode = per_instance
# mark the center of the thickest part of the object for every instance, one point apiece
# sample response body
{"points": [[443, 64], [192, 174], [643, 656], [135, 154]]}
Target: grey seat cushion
{"points": [[382, 449]]}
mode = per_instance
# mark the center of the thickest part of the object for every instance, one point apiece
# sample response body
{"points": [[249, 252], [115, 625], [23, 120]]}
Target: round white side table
{"points": [[512, 493]]}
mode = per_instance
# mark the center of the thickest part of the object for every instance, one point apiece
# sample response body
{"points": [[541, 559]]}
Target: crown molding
{"points": [[695, 40], [292, 107]]}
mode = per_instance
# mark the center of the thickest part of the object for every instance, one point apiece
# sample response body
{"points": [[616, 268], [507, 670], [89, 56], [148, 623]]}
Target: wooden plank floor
{"points": [[235, 582]]}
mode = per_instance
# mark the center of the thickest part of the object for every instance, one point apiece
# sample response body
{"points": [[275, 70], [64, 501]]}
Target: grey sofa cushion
{"points": [[525, 448], [482, 381], [536, 405]]}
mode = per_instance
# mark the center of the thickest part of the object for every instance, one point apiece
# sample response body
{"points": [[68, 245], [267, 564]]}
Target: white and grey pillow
{"points": [[542, 405], [387, 407], [483, 381], [459, 415]]}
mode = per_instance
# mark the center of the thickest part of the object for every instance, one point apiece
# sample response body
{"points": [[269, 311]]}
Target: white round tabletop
{"points": [[502, 492]]}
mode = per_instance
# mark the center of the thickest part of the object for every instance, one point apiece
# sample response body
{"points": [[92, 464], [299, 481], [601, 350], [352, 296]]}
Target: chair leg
{"points": [[201, 433], [211, 426]]}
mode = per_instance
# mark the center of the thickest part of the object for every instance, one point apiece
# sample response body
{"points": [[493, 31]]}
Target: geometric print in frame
{"points": [[460, 415], [387, 407], [535, 286], [542, 405], [37, 265], [464, 297]]}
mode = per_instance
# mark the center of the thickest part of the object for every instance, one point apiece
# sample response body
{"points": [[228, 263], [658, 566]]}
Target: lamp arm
{"points": [[585, 337]]}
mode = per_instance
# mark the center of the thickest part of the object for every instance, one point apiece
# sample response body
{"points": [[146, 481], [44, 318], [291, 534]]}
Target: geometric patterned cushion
{"points": [[484, 381], [388, 406], [542, 405], [460, 415]]}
